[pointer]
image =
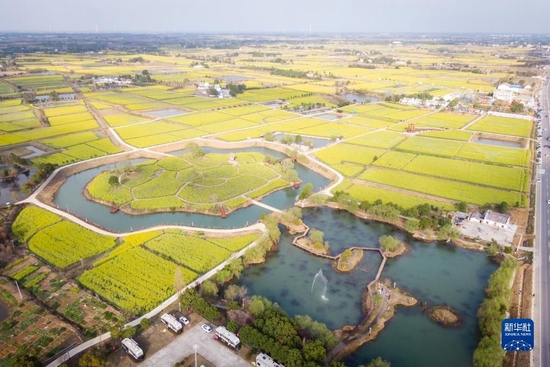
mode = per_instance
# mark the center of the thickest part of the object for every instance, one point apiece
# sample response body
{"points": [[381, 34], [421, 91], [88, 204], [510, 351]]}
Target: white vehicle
{"points": [[263, 360], [206, 328], [133, 349], [172, 323], [228, 337]]}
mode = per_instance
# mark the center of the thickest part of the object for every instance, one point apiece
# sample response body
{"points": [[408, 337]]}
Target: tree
{"points": [[234, 291], [448, 232], [145, 323], [462, 207], [269, 136], [388, 243], [25, 360], [256, 306], [493, 248], [517, 107], [503, 207], [298, 139], [209, 288], [307, 189], [91, 360], [129, 332], [316, 236], [194, 149], [314, 351], [113, 180], [412, 224], [236, 267]]}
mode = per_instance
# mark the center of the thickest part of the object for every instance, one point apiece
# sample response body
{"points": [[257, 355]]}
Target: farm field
{"points": [[134, 278], [453, 190], [503, 125], [341, 153]]}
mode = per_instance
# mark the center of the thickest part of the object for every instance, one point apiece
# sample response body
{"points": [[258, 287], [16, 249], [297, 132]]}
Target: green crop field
{"points": [[490, 175], [194, 253], [46, 132], [332, 129], [68, 119], [503, 125], [394, 159], [348, 169], [123, 119], [31, 220], [379, 139], [136, 280], [405, 200], [68, 110], [147, 129], [367, 122], [453, 190], [72, 139], [439, 147], [58, 242], [494, 154], [449, 134], [343, 152]]}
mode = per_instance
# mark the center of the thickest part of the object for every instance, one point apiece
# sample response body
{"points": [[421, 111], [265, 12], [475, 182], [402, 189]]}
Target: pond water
{"points": [[4, 313], [500, 143], [10, 192], [167, 112], [69, 198], [328, 116], [438, 273], [234, 78], [36, 152], [358, 98]]}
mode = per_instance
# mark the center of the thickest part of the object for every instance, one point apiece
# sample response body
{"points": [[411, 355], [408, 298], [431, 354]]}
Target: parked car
{"points": [[179, 316], [208, 329]]}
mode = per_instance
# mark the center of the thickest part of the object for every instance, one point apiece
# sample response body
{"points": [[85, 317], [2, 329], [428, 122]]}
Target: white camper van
{"points": [[172, 323], [132, 348]]}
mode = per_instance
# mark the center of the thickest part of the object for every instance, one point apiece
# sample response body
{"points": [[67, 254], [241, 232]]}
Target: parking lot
{"points": [[182, 346], [486, 232]]}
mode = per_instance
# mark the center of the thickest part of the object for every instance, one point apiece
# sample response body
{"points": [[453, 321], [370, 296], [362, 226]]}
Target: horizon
{"points": [[244, 16]]}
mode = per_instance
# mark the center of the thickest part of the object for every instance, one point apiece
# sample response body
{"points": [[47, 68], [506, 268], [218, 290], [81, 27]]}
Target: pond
{"points": [[10, 192], [69, 198], [169, 112], [359, 98], [328, 117], [438, 273], [500, 143]]}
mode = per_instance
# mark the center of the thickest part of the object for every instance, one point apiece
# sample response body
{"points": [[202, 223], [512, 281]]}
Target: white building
{"points": [[506, 92]]}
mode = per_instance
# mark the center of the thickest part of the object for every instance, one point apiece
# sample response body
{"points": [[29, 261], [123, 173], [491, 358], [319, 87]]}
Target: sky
{"points": [[277, 16]]}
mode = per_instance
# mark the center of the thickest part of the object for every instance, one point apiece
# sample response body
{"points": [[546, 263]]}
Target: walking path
{"points": [[265, 206]]}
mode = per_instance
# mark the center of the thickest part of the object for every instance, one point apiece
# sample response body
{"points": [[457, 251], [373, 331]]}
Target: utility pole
{"points": [[195, 346]]}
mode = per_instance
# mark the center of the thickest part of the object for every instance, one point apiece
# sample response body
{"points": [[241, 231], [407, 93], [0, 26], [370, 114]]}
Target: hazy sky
{"points": [[487, 16]]}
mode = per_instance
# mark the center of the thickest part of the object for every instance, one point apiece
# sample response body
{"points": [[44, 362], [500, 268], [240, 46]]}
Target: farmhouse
{"points": [[496, 219]]}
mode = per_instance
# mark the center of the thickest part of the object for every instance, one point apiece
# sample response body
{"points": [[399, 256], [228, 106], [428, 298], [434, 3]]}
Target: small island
{"points": [[348, 260], [391, 246], [445, 315], [214, 184]]}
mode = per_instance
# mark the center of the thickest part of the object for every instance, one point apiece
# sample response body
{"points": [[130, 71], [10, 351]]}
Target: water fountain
{"points": [[324, 280]]}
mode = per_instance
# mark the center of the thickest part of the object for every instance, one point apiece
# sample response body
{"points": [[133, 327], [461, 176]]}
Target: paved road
{"points": [[182, 346], [541, 310]]}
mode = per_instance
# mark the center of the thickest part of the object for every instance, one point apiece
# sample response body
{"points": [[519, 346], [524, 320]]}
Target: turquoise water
{"points": [[438, 273]]}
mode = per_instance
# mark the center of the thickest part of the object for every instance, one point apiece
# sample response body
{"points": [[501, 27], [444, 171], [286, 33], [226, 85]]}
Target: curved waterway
{"points": [[438, 273], [69, 198]]}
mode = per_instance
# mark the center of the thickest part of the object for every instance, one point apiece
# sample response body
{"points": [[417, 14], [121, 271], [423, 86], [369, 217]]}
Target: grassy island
{"points": [[209, 183]]}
